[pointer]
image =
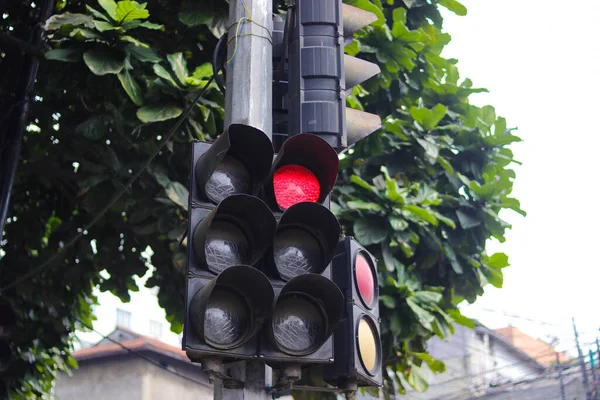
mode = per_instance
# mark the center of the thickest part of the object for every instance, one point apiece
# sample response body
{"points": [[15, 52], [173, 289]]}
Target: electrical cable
{"points": [[114, 199], [218, 62], [137, 354]]}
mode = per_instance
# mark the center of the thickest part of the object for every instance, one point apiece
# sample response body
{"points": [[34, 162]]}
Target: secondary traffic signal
{"points": [[320, 73], [357, 360]]}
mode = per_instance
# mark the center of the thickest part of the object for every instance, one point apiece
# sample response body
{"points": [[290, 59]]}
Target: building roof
{"points": [[536, 348], [133, 341], [494, 335]]}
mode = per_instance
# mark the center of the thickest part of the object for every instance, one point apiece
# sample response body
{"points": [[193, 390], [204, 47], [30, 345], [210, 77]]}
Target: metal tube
{"points": [[249, 96]]}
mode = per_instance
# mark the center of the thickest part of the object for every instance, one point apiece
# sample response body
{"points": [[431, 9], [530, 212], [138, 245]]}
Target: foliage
{"points": [[423, 194]]}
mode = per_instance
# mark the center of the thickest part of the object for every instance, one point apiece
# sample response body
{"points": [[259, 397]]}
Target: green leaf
{"points": [[194, 17], [178, 66], [150, 25], [497, 260], [178, 194], [425, 317], [388, 301], [427, 297], [110, 7], [103, 62], [467, 221], [444, 219], [362, 183], [367, 5], [104, 26], [68, 19], [370, 231], [361, 205], [431, 149], [66, 55], [131, 87], [454, 6], [421, 213], [433, 364], [142, 54], [427, 118], [94, 128], [452, 257], [128, 10], [398, 224], [164, 74], [97, 14], [134, 41], [460, 319], [201, 75], [158, 113]]}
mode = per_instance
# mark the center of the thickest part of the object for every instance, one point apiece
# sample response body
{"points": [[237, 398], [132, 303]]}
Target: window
{"points": [[155, 329], [123, 318]]}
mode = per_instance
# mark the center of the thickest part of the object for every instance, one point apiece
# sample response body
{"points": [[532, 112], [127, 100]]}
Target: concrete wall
{"points": [[128, 379], [103, 381]]}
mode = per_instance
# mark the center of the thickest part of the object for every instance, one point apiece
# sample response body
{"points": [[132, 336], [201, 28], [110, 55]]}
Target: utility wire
{"points": [[138, 354], [114, 199]]}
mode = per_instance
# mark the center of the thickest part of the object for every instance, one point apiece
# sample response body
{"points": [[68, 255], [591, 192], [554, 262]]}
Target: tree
{"points": [[423, 194]]}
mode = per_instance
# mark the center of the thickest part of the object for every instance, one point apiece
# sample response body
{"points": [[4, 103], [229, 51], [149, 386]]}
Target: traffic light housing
{"points": [[320, 74], [308, 304], [230, 231], [357, 338]]}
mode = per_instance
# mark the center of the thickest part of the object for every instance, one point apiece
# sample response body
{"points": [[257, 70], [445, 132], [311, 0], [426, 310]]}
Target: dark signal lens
{"points": [[367, 345], [365, 280], [227, 318], [230, 177], [298, 325], [294, 184], [296, 252], [226, 245]]}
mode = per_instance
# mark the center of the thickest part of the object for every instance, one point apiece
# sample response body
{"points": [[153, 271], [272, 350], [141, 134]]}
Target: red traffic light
{"points": [[365, 279], [305, 170], [294, 184]]}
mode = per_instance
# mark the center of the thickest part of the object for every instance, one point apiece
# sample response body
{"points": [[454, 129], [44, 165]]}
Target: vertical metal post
{"points": [[560, 377], [249, 94], [10, 139], [249, 101], [586, 382]]}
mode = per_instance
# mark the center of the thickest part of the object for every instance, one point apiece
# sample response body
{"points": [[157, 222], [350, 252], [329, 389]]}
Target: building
{"points": [[138, 368], [536, 348], [142, 314], [476, 362]]}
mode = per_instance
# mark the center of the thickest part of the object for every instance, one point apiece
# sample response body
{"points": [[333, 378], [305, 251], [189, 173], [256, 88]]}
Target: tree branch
{"points": [[10, 42]]}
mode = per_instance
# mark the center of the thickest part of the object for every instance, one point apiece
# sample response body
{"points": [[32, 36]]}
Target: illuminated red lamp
{"points": [[295, 184], [365, 280]]}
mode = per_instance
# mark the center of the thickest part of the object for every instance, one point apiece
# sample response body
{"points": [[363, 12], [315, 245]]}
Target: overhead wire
{"points": [[83, 231]]}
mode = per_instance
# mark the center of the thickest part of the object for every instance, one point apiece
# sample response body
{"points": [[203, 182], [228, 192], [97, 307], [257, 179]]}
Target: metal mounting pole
{"points": [[249, 100], [249, 94]]}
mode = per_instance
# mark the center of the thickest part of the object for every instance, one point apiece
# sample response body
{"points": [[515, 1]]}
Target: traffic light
{"points": [[308, 304], [320, 74], [237, 162], [357, 360], [305, 170], [227, 298]]}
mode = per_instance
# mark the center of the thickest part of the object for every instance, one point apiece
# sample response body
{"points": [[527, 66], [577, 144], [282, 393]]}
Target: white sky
{"points": [[540, 59]]}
